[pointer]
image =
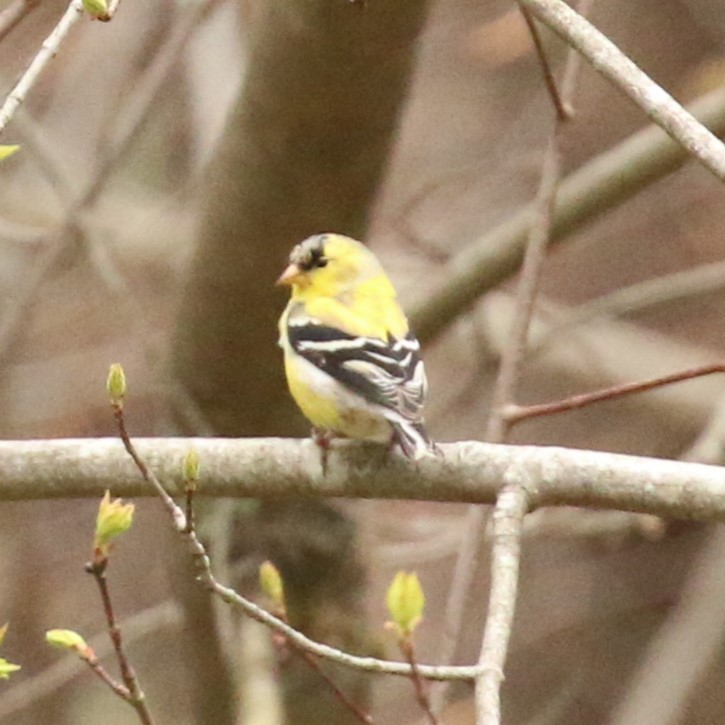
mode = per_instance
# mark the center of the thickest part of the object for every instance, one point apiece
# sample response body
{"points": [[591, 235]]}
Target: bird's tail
{"points": [[413, 440]]}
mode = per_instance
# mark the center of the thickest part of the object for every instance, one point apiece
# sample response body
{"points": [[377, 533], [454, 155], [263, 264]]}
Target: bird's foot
{"points": [[323, 440]]}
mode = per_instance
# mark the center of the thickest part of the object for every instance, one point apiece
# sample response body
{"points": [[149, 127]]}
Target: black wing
{"points": [[387, 372]]}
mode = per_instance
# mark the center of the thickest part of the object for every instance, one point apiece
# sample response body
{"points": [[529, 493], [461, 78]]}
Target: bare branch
{"points": [[511, 505], [406, 646], [131, 692], [469, 472], [348, 703], [562, 112], [667, 288], [597, 187], [505, 553], [517, 413], [106, 678], [137, 628], [508, 518], [48, 49], [206, 578], [608, 60]]}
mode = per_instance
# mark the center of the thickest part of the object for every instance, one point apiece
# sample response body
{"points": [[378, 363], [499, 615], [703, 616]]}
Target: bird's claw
{"points": [[323, 439]]}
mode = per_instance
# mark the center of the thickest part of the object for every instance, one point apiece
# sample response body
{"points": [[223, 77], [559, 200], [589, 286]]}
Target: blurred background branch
{"points": [[14, 14]]}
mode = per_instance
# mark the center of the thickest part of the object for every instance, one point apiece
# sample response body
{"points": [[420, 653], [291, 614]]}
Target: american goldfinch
{"points": [[352, 363]]}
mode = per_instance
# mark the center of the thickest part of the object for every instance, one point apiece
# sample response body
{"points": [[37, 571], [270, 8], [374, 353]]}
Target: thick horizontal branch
{"points": [[469, 472]]}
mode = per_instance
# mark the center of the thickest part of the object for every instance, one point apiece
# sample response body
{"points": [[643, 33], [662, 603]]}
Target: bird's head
{"points": [[329, 265]]}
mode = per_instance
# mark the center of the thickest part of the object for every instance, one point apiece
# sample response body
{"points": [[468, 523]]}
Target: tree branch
{"points": [[139, 627], [664, 289], [508, 520], [516, 413], [49, 48], [608, 60], [512, 503], [563, 113], [469, 472], [597, 187]]}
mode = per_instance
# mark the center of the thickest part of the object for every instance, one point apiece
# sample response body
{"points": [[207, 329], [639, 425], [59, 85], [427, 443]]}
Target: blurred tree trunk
{"points": [[304, 151]]}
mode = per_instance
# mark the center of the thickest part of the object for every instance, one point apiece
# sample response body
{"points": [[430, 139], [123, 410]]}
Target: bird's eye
{"points": [[308, 257], [316, 259]]}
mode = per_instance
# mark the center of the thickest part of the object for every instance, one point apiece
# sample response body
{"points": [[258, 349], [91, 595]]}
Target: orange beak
{"points": [[291, 275]]}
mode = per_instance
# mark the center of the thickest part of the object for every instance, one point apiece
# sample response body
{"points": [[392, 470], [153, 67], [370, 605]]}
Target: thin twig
{"points": [[512, 504], [136, 110], [92, 661], [14, 13], [513, 355], [667, 288], [596, 188], [406, 646], [312, 663], [98, 571], [309, 660], [228, 595], [505, 391], [135, 696], [177, 514], [47, 50], [562, 112], [516, 413], [138, 627], [606, 58]]}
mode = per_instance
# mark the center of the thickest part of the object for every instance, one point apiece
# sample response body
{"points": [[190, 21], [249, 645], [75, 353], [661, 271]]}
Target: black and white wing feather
{"points": [[388, 373]]}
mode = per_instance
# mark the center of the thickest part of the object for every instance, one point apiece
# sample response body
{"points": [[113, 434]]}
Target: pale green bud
{"points": [[190, 468], [68, 639], [116, 385], [7, 668], [114, 518], [97, 9], [405, 600], [272, 585]]}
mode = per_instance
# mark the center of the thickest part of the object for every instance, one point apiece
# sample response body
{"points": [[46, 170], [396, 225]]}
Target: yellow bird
{"points": [[351, 361]]}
